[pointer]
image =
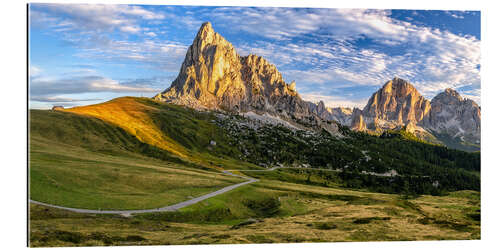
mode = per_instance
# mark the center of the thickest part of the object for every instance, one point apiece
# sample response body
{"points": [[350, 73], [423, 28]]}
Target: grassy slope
{"points": [[179, 130], [80, 161], [306, 214], [132, 116], [75, 155]]}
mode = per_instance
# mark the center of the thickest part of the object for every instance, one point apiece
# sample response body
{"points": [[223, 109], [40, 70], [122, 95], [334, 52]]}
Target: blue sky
{"points": [[84, 54]]}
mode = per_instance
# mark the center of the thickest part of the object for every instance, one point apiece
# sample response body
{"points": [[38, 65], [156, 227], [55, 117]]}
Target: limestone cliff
{"points": [[453, 115], [213, 76], [396, 104]]}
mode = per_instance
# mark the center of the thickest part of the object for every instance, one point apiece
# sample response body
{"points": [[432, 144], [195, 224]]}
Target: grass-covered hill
{"points": [[185, 136], [180, 131], [134, 153], [84, 162]]}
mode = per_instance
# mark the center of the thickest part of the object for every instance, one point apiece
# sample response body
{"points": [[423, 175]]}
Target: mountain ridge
{"points": [[214, 76], [398, 104]]}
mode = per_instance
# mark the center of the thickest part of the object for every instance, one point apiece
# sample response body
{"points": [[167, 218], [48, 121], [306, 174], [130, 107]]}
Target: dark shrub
{"points": [[264, 207]]}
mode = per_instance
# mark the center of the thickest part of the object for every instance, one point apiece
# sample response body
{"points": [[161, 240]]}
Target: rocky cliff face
{"points": [[396, 104], [338, 114], [451, 114], [399, 104], [210, 74], [357, 120], [213, 76], [342, 115]]}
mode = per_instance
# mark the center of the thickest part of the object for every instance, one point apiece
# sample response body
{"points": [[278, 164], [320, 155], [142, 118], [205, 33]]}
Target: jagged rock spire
{"points": [[397, 101], [214, 76], [453, 115], [398, 104]]}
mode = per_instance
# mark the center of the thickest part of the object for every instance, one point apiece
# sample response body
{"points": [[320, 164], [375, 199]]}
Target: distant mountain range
{"points": [[447, 117], [214, 77]]}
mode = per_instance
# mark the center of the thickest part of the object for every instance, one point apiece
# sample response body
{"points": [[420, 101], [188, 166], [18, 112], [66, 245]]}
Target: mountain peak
{"points": [[456, 116], [207, 36], [213, 76], [398, 85], [447, 96], [452, 92], [397, 102], [398, 80], [205, 32], [206, 25]]}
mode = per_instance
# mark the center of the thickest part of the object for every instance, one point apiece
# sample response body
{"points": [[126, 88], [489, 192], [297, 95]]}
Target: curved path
{"points": [[162, 209], [181, 204]]}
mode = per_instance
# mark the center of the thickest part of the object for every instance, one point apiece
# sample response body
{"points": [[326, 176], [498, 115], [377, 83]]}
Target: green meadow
{"points": [[82, 162], [98, 157]]}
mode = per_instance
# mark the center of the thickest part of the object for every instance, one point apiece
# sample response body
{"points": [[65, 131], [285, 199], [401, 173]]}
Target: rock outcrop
{"points": [[396, 104], [213, 76], [455, 116], [358, 121]]}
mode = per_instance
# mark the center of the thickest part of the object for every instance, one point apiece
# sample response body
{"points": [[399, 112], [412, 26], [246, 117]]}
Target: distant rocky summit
{"points": [[398, 104], [339, 114], [214, 77], [455, 116]]}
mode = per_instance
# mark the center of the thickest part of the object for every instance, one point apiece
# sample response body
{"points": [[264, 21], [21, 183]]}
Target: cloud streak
{"points": [[92, 17], [82, 84], [58, 99]]}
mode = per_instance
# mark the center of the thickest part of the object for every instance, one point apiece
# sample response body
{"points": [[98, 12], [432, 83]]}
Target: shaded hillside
{"points": [[217, 140]]}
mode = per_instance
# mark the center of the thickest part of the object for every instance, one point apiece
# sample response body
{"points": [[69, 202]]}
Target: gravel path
{"points": [[162, 209], [181, 204]]}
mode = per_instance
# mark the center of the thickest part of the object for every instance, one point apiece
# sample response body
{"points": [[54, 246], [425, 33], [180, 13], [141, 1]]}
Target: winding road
{"points": [[180, 205], [174, 207]]}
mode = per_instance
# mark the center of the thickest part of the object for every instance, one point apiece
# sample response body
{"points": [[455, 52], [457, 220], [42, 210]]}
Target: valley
{"points": [[104, 167], [231, 153], [306, 214]]}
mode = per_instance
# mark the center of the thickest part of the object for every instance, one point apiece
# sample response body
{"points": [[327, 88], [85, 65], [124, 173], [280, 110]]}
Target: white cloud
{"points": [[82, 84], [432, 59], [60, 99], [285, 23], [335, 101], [326, 63], [165, 55], [456, 14], [92, 17], [130, 29]]}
